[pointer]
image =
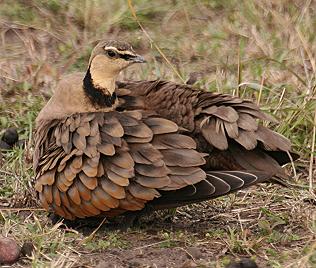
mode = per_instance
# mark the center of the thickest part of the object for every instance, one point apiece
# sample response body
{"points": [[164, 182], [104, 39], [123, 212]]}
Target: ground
{"points": [[261, 50]]}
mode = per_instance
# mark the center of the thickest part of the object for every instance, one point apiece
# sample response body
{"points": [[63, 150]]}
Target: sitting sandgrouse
{"points": [[104, 147]]}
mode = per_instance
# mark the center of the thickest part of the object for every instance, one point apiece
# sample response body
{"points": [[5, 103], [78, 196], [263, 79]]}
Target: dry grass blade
{"points": [[130, 4], [312, 156], [239, 73], [90, 237]]}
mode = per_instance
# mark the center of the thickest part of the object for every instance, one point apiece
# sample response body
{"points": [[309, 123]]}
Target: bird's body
{"points": [[106, 149]]}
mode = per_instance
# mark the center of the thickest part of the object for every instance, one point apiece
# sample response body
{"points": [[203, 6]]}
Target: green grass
{"points": [[271, 43]]}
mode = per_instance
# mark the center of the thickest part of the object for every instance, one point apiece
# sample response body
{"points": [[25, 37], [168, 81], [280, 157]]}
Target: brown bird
{"points": [[106, 148]]}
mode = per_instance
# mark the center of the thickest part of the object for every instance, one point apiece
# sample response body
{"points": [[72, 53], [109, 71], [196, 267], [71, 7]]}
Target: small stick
{"points": [[21, 209], [92, 234], [153, 244], [261, 88]]}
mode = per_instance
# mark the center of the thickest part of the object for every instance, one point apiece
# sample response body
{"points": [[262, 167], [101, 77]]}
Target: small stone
{"points": [[243, 263], [195, 253], [189, 264], [248, 263], [4, 145], [27, 249], [10, 136], [9, 251]]}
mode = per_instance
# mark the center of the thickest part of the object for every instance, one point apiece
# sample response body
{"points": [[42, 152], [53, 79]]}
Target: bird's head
{"points": [[107, 59], [110, 57], [95, 91]]}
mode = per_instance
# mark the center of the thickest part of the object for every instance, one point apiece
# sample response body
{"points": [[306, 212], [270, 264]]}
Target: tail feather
{"points": [[233, 180], [221, 186], [283, 157], [217, 183]]}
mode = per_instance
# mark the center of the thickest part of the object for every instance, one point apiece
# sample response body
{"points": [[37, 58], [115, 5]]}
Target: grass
{"points": [[262, 50]]}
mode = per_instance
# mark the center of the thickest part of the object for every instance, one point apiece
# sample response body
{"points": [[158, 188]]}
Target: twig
{"points": [[92, 234], [239, 70], [187, 252], [292, 164], [261, 89], [153, 244], [280, 101], [21, 209]]}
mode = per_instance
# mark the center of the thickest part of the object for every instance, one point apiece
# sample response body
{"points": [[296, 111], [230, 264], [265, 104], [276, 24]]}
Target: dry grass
{"points": [[263, 50]]}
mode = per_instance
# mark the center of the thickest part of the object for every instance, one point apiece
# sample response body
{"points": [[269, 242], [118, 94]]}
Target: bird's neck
{"points": [[99, 87]]}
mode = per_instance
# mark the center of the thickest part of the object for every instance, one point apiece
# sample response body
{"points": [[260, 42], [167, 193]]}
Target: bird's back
{"points": [[226, 127]]}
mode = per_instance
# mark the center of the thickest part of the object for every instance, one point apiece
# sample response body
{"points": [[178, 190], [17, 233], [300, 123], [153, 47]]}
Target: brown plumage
{"points": [[105, 149], [227, 128]]}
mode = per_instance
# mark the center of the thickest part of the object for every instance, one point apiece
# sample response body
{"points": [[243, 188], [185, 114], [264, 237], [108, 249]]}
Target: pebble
{"points": [[10, 136], [243, 263], [4, 145], [195, 252], [9, 251], [189, 264], [27, 249]]}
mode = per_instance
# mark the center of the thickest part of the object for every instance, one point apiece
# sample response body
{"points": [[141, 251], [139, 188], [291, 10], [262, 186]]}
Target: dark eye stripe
{"points": [[126, 56]]}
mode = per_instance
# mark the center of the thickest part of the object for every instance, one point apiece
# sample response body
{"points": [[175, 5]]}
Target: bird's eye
{"points": [[111, 53]]}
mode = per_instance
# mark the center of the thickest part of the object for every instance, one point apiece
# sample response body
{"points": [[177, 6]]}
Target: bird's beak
{"points": [[138, 59]]}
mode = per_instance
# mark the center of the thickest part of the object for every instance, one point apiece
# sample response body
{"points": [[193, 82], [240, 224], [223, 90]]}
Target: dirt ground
{"points": [[210, 234]]}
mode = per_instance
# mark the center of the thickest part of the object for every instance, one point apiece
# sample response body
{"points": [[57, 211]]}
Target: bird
{"points": [[105, 148]]}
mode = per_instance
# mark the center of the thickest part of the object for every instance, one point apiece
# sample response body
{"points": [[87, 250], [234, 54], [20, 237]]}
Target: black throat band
{"points": [[95, 94]]}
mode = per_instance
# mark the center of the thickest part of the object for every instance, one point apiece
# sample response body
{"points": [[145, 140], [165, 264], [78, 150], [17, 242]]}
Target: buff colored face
{"points": [[113, 60]]}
